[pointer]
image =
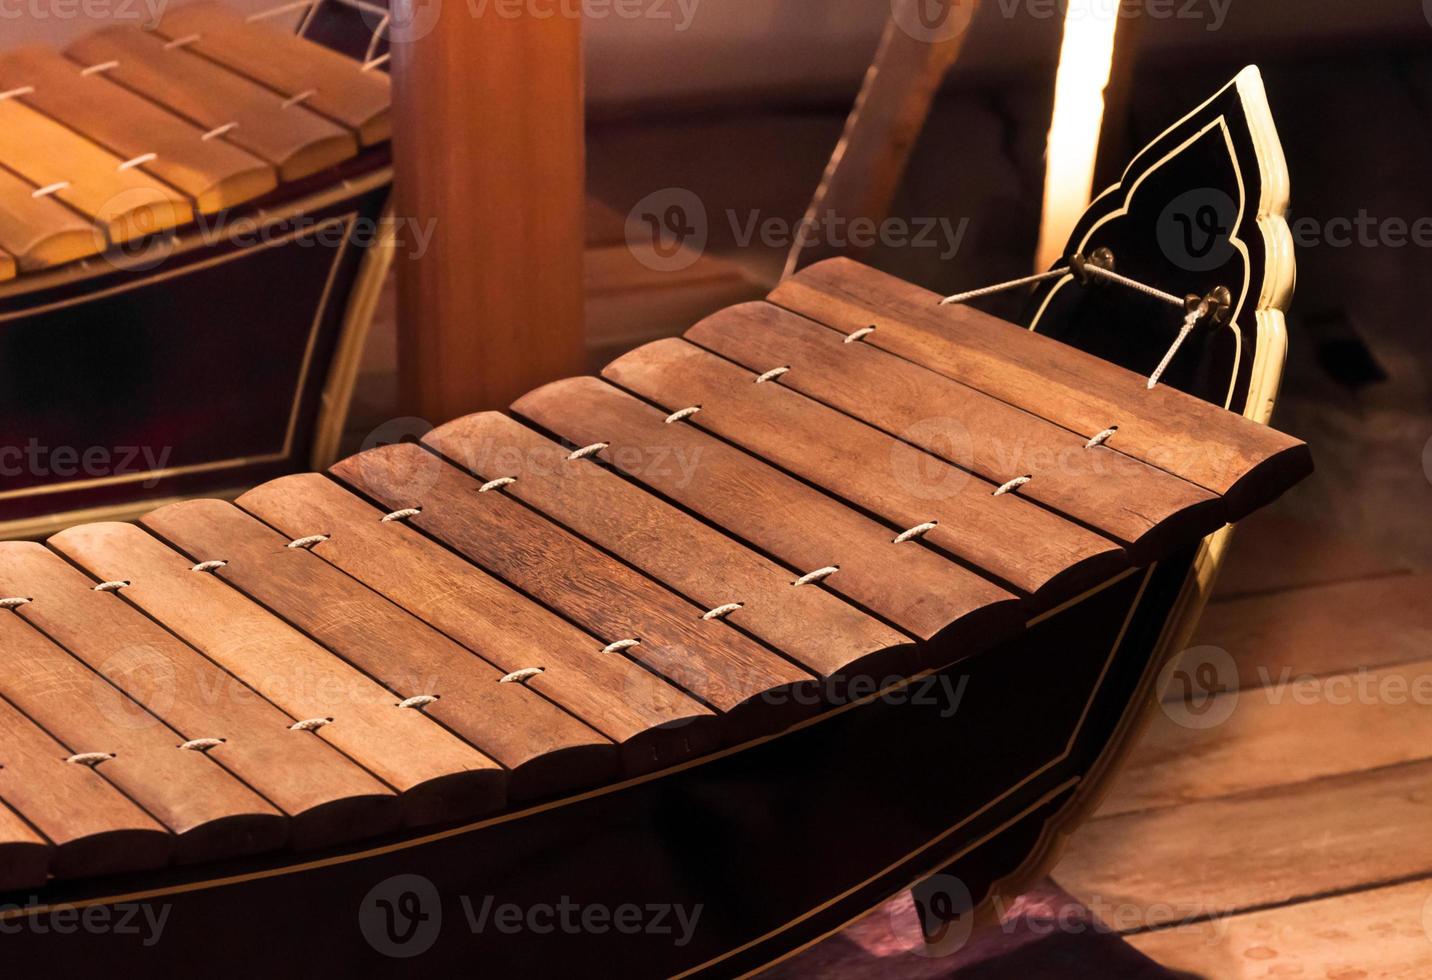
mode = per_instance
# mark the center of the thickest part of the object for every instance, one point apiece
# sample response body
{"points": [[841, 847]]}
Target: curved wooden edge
{"points": [[453, 797], [237, 188], [61, 246], [232, 837], [24, 855], [572, 768], [113, 852], [316, 156], [343, 821]]}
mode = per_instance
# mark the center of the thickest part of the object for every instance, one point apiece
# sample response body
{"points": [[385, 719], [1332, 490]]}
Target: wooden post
{"points": [[490, 156]]}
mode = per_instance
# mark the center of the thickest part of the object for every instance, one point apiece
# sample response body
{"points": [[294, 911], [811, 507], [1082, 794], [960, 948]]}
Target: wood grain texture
{"points": [[126, 203], [1145, 509], [212, 813], [288, 64], [298, 142], [327, 797], [650, 720], [1274, 553], [1322, 630], [214, 174], [9, 268], [755, 691], [544, 749], [495, 305], [1380, 933], [94, 829], [1246, 463], [880, 134], [812, 626], [24, 854], [1286, 733], [41, 233], [1262, 848], [908, 585], [439, 777], [1006, 537]]}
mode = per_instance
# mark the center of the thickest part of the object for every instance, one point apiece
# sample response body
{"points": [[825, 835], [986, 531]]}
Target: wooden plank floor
{"points": [[1282, 829]]}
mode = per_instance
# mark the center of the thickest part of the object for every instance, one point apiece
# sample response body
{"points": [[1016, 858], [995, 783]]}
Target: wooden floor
{"points": [[1283, 826]]}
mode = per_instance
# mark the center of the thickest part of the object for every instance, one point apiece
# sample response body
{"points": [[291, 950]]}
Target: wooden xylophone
{"points": [[690, 552], [837, 592], [129, 133], [191, 216]]}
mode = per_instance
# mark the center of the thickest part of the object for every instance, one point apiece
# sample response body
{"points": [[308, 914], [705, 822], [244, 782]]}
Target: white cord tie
{"points": [[110, 586], [15, 93], [586, 451], [289, 103], [1189, 322], [208, 566], [819, 575], [1012, 485], [859, 335], [138, 161], [521, 676], [420, 701], [49, 189], [377, 62], [620, 645], [181, 42], [308, 542], [721, 612], [89, 758], [919, 531], [202, 744], [1102, 438], [1088, 267], [103, 66], [218, 131], [14, 603], [682, 415], [772, 375], [401, 515], [497, 484], [311, 725]]}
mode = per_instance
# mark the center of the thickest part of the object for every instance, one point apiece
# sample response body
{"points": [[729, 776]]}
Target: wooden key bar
{"points": [[812, 626], [906, 584], [24, 854], [124, 201], [996, 533], [756, 691], [40, 232], [440, 778], [1246, 463], [323, 79], [213, 173], [613, 695], [212, 813], [327, 797], [545, 749], [94, 829], [1143, 508], [224, 105]]}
